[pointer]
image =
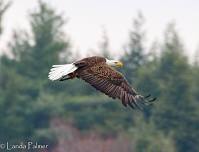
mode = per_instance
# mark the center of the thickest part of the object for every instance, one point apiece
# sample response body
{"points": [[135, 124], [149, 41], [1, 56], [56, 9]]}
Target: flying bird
{"points": [[100, 73]]}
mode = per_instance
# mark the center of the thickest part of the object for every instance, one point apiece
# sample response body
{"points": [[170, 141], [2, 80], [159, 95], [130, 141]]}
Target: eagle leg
{"points": [[147, 101]]}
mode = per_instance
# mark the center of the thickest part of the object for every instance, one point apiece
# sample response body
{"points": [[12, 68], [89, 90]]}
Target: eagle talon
{"points": [[152, 100], [144, 100], [149, 101], [147, 96]]}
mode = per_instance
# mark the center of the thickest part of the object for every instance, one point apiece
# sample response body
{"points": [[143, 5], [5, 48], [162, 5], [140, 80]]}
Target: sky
{"points": [[86, 19]]}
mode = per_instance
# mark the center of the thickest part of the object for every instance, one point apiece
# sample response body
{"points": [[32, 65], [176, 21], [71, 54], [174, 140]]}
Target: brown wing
{"points": [[112, 83], [90, 61]]}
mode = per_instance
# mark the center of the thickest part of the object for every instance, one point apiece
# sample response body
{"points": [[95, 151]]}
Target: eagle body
{"points": [[98, 67], [99, 73]]}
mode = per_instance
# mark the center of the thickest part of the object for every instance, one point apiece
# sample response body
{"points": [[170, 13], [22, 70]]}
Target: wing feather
{"points": [[112, 83], [131, 101]]}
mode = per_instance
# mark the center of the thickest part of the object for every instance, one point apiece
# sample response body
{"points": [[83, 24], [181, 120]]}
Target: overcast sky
{"points": [[86, 18]]}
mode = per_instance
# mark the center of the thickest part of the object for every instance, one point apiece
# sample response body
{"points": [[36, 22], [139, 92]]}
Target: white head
{"points": [[114, 63]]}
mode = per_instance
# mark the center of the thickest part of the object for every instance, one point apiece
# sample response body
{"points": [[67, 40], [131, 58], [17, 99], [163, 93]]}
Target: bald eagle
{"points": [[99, 72]]}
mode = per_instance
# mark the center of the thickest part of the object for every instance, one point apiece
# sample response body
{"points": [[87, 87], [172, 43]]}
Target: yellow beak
{"points": [[119, 64]]}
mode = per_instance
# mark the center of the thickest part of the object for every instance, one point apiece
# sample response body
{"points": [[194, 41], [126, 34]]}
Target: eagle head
{"points": [[114, 63]]}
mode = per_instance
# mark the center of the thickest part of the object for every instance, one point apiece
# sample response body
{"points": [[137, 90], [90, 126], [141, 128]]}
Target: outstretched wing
{"points": [[112, 83]]}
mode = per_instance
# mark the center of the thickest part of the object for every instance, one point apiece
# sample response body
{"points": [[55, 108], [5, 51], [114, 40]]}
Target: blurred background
{"points": [[160, 54]]}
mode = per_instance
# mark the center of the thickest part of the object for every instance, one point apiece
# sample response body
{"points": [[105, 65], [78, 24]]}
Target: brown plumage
{"points": [[96, 72]]}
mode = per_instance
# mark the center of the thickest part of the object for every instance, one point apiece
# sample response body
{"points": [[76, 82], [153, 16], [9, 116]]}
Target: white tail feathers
{"points": [[58, 71]]}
